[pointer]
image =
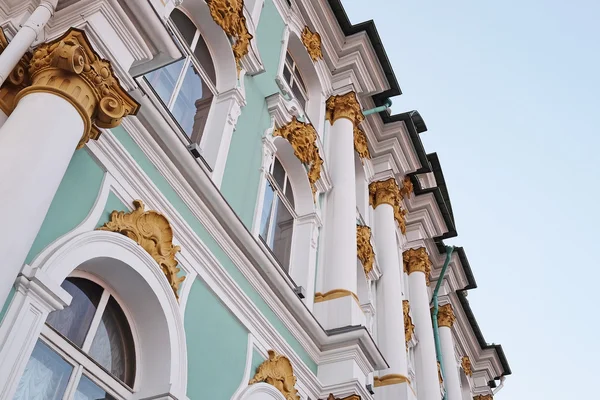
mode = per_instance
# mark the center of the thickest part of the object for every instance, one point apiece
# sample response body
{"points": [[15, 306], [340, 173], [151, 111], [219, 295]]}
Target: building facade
{"points": [[212, 200]]}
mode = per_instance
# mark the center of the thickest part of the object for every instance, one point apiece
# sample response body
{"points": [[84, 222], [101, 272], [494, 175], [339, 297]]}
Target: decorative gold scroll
{"points": [[312, 42], [360, 143], [277, 371], [388, 192], [390, 379], [407, 187], [446, 316], [70, 68], [303, 138], [417, 260], [364, 250], [440, 373], [17, 80], [466, 366], [351, 397], [483, 397], [152, 231], [409, 327], [335, 294], [229, 15], [344, 106]]}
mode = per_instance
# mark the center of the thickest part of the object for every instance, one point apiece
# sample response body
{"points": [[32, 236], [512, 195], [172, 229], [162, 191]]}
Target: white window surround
{"points": [[261, 391], [142, 290]]}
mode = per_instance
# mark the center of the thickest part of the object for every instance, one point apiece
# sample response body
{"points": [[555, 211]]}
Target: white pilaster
{"points": [[37, 142], [451, 376]]}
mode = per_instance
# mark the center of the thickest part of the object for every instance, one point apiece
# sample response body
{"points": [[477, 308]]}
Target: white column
{"points": [[451, 375], [418, 267], [72, 92], [25, 37], [336, 304]]}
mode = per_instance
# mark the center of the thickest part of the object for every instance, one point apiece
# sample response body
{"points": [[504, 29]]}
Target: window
{"points": [[277, 218], [85, 351], [292, 77], [186, 87]]}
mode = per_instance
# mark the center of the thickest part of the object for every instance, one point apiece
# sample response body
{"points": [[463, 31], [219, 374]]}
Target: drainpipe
{"points": [[434, 316], [25, 37], [388, 104]]}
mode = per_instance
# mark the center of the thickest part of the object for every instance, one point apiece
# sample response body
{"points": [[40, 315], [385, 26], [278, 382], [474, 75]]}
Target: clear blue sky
{"points": [[510, 93]]}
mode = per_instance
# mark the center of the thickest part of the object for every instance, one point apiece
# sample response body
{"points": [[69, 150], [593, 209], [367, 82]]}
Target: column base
{"points": [[393, 387], [338, 308]]}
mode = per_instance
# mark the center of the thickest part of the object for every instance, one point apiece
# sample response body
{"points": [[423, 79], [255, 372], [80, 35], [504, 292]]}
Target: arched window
{"points": [[85, 351], [277, 218], [187, 86], [294, 80]]}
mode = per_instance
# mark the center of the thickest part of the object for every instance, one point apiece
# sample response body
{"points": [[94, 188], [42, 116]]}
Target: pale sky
{"points": [[509, 91]]}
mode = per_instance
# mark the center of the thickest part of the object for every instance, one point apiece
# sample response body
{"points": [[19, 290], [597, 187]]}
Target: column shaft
{"points": [[451, 377]]}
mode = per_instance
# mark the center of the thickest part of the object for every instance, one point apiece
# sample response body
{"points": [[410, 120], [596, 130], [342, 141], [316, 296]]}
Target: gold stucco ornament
{"points": [[229, 15], [344, 106], [417, 260], [466, 366], [351, 397], [277, 371], [69, 67], [152, 231], [364, 249], [312, 42], [360, 143], [440, 373], [407, 187], [483, 397], [409, 327], [446, 316], [17, 80], [303, 139], [388, 192]]}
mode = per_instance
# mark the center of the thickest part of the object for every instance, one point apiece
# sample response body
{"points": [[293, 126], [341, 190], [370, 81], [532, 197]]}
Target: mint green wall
{"points": [[242, 170], [216, 346], [7, 303], [113, 203], [161, 183], [257, 359], [73, 201]]}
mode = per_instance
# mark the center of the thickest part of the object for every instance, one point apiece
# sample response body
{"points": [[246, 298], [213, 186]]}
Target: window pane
{"points": [[289, 193], [282, 237], [46, 375], [299, 95], [287, 74], [73, 322], [278, 173], [163, 80], [298, 78], [203, 56], [184, 25], [289, 59], [189, 101], [88, 390], [112, 346], [266, 211]]}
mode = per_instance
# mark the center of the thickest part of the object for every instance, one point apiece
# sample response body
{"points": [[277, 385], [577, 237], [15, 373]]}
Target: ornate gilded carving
{"points": [[303, 138], [360, 143], [391, 379], [440, 373], [388, 192], [344, 106], [71, 69], [277, 371], [16, 81], [152, 231], [364, 250], [417, 260], [409, 327], [483, 397], [351, 397], [407, 187], [229, 15], [334, 294], [312, 42], [446, 316], [466, 366]]}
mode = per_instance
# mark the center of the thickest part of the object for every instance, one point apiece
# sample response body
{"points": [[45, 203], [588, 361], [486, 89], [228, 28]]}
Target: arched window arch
{"points": [[186, 87], [85, 351]]}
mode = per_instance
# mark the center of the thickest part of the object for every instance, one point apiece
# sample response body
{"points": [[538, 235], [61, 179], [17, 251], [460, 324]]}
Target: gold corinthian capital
{"points": [[417, 260], [388, 192], [446, 316], [344, 106], [68, 67]]}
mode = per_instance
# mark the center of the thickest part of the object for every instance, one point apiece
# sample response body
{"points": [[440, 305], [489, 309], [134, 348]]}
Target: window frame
{"points": [[294, 81]]}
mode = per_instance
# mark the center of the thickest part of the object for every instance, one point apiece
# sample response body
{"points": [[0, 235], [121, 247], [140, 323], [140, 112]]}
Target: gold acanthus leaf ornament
{"points": [[152, 231], [388, 192], [351, 397], [229, 15], [277, 371], [446, 316], [17, 80], [466, 366], [440, 373], [409, 327], [417, 260], [483, 397], [407, 187], [344, 106], [360, 143], [303, 139], [312, 42], [364, 249], [70, 68]]}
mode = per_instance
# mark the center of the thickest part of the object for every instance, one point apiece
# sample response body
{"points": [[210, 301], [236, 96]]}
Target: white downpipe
{"points": [[25, 37]]}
